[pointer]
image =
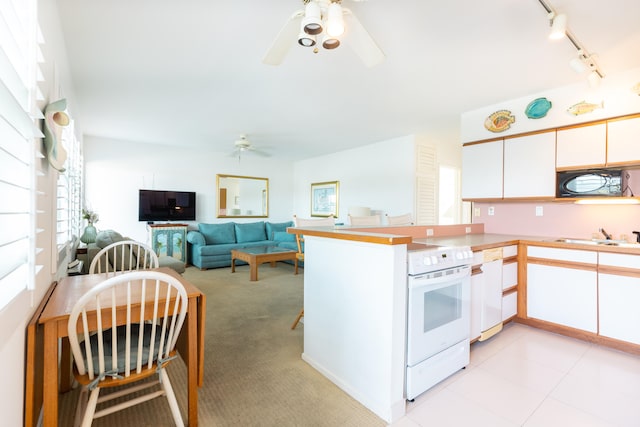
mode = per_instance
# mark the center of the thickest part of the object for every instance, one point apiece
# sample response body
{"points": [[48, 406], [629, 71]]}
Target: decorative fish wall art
{"points": [[499, 121], [538, 108], [584, 108]]}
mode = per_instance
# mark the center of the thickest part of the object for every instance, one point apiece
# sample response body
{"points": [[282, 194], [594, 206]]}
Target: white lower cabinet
{"points": [[509, 305], [565, 296], [618, 296], [619, 314]]}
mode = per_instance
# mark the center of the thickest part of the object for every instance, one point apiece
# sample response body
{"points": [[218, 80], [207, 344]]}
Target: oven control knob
{"points": [[426, 260], [434, 259], [459, 255]]}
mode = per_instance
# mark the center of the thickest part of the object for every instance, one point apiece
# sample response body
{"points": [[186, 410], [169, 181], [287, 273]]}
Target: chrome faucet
{"points": [[606, 235]]}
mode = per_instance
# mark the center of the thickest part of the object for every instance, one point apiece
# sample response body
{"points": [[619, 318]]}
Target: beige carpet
{"points": [[254, 375]]}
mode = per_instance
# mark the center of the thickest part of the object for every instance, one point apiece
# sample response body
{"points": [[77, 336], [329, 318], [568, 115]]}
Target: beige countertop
{"points": [[477, 241]]}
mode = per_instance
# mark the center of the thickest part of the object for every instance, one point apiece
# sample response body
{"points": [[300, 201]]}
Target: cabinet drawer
{"points": [[619, 260], [573, 255], [509, 275], [509, 251]]}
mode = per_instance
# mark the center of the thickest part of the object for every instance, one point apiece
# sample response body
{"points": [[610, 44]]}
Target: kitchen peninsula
{"points": [[355, 283], [355, 313]]}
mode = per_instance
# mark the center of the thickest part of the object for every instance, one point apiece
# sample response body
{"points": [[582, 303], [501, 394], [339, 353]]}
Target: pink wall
{"points": [[559, 219], [563, 219]]}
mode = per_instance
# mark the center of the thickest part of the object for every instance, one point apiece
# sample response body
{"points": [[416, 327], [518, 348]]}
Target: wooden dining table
{"points": [[54, 318]]}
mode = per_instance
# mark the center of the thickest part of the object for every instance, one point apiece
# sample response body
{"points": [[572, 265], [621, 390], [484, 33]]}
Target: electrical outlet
{"points": [[467, 230], [429, 231], [491, 211], [539, 211], [476, 212]]}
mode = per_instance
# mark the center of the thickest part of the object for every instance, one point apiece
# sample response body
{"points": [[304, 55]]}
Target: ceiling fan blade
{"points": [[260, 153], [281, 45], [361, 41]]}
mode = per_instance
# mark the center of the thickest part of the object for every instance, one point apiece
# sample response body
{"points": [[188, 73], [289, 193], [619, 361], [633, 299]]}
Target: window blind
{"points": [[18, 65]]}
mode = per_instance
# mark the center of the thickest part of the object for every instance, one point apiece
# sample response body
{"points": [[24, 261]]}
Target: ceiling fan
{"points": [[326, 19], [243, 145]]}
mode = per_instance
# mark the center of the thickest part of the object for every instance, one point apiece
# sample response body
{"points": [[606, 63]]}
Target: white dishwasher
{"points": [[491, 311]]}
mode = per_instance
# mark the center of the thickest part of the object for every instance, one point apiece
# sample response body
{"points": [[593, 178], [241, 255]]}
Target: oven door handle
{"points": [[423, 280]]}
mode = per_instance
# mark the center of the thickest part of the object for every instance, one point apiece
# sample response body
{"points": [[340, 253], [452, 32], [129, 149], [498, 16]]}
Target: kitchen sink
{"points": [[600, 242]]}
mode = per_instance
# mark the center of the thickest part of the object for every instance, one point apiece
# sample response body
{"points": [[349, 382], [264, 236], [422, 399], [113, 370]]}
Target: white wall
{"points": [[379, 176], [615, 93], [116, 170]]}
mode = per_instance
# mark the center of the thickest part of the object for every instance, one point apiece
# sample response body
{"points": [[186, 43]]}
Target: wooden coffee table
{"points": [[257, 255]]}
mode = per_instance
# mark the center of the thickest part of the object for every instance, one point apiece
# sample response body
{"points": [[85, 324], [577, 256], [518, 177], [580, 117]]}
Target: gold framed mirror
{"points": [[242, 196]]}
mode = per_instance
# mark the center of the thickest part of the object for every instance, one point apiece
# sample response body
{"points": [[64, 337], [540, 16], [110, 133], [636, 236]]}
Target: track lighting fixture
{"points": [[594, 79], [578, 63], [584, 61], [558, 26]]}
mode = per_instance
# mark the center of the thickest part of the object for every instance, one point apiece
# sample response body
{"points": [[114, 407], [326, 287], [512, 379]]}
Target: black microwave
{"points": [[590, 183]]}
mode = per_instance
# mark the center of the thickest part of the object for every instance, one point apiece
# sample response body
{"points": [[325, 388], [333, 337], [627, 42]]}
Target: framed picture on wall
{"points": [[324, 199]]}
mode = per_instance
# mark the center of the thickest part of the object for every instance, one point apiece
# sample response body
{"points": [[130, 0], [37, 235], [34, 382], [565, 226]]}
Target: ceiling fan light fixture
{"points": [[312, 21], [306, 40], [335, 20], [330, 42], [558, 26]]}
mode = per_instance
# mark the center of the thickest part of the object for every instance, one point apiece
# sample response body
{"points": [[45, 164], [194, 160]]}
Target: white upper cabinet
{"points": [[623, 141], [482, 170], [530, 166], [582, 147]]}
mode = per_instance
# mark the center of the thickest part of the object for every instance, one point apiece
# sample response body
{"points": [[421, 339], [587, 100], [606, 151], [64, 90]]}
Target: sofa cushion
{"points": [[272, 227], [222, 249], [106, 237], [215, 234], [250, 232], [283, 236]]}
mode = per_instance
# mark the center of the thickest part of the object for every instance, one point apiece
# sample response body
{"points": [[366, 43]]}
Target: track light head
{"points": [[558, 25]]}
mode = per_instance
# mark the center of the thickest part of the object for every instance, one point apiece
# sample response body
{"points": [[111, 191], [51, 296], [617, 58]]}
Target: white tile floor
{"points": [[527, 377]]}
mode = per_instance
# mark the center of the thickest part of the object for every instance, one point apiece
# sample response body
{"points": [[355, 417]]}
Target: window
{"points": [[68, 207], [18, 133], [451, 209]]}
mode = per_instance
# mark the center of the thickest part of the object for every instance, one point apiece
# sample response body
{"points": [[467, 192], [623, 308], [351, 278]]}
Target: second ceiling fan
{"points": [[325, 23]]}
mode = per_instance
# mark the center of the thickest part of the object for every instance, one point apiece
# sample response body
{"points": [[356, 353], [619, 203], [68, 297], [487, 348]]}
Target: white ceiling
{"points": [[189, 72]]}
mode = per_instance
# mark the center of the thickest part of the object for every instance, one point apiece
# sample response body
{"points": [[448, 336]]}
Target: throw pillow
{"points": [[283, 236], [216, 234], [250, 232], [107, 237], [272, 227]]}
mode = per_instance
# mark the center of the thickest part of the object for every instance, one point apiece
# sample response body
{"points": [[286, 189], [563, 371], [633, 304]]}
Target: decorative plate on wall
{"points": [[584, 108], [499, 121], [538, 108]]}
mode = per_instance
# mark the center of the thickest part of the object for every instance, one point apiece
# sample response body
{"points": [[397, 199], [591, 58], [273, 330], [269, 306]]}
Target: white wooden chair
{"points": [[142, 345], [370, 220], [405, 219], [303, 222], [126, 255]]}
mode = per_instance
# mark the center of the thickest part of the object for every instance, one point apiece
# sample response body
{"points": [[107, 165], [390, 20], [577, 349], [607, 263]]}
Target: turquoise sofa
{"points": [[210, 246]]}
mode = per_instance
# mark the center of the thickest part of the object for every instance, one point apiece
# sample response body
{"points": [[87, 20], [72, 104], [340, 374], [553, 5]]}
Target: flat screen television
{"points": [[155, 205]]}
